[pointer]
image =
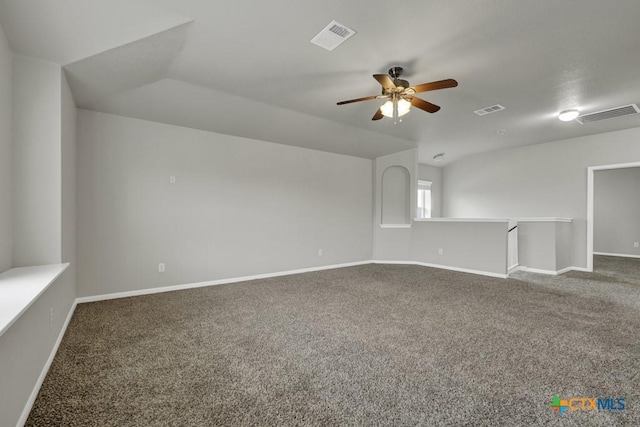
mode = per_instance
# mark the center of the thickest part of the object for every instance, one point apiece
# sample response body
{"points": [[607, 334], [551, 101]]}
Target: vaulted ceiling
{"points": [[247, 68]]}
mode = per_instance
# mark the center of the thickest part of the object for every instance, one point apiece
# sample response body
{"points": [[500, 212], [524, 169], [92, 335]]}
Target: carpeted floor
{"points": [[370, 345]]}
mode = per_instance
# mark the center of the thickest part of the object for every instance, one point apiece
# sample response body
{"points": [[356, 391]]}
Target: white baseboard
{"points": [[549, 272], [444, 267], [564, 270], [536, 270], [149, 291], [513, 268], [619, 255], [36, 389], [583, 269]]}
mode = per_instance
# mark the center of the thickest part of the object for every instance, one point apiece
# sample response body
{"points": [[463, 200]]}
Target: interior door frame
{"points": [[590, 203]]}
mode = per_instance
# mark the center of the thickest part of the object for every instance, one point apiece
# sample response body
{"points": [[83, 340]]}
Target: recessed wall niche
{"points": [[396, 196]]}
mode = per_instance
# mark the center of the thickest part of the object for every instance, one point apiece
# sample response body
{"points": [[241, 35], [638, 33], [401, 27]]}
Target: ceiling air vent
{"points": [[332, 36], [609, 114], [489, 110]]}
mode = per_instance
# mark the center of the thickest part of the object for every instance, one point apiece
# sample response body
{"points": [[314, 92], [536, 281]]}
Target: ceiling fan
{"points": [[400, 96]]}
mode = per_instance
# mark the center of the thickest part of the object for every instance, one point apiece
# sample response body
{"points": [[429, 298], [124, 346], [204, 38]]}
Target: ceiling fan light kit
{"points": [[399, 95], [403, 106]]}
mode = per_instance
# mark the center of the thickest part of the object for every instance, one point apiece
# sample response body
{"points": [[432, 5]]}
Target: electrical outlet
{"points": [[440, 251], [172, 179], [636, 244], [51, 318], [161, 267], [320, 252]]}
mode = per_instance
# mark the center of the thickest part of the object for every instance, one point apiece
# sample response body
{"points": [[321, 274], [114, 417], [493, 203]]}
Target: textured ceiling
{"points": [[247, 67]]}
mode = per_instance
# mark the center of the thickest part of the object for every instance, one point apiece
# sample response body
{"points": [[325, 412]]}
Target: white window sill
{"points": [[395, 225], [20, 287]]}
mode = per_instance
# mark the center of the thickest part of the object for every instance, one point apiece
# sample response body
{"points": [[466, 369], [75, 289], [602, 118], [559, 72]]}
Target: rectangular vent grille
{"points": [[609, 114], [340, 30], [332, 36], [489, 110]]}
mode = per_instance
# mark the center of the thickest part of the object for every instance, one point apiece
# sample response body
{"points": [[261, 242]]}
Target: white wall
{"points": [[433, 174], [616, 206], [479, 246], [68, 177], [36, 162], [400, 239], [472, 246], [37, 193], [545, 180], [239, 207], [545, 245], [6, 204]]}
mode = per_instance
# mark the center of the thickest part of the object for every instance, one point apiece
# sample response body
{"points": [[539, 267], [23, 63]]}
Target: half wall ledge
{"points": [[20, 287]]}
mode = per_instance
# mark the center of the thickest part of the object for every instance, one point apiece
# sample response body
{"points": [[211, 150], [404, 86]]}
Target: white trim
{"points": [[549, 272], [615, 166], [564, 270], [513, 268], [532, 219], [395, 225], [461, 220], [583, 269], [544, 219], [213, 282], [36, 388], [537, 270], [149, 291], [443, 267], [590, 203], [590, 178], [618, 255]]}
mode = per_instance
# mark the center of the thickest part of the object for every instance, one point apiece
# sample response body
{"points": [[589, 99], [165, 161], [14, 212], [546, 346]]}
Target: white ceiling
{"points": [[247, 67]]}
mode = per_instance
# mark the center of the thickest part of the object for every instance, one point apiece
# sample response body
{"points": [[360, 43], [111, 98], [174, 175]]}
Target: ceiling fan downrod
{"points": [[395, 108]]}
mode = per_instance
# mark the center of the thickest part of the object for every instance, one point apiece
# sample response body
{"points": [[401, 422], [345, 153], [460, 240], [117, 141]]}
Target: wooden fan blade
{"points": [[441, 84], [385, 81], [378, 115], [424, 105], [366, 98]]}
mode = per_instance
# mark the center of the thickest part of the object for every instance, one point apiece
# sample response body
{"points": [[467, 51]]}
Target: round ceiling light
{"points": [[568, 115]]}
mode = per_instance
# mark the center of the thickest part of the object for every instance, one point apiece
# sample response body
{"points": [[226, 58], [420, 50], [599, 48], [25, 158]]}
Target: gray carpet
{"points": [[369, 345]]}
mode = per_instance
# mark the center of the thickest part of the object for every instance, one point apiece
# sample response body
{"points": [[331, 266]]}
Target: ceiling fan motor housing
{"points": [[396, 72]]}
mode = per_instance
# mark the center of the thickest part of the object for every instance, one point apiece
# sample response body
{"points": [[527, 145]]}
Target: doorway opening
{"points": [[590, 203]]}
